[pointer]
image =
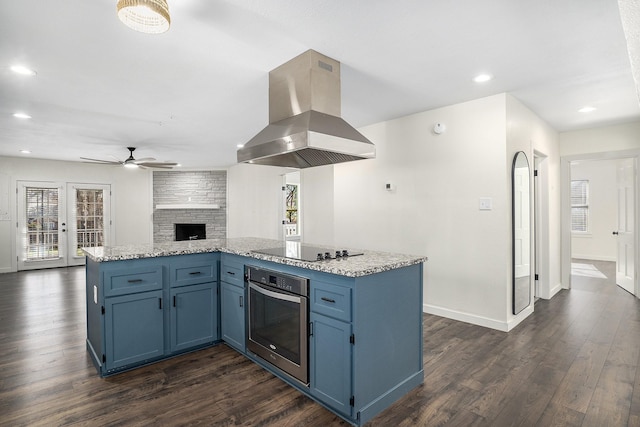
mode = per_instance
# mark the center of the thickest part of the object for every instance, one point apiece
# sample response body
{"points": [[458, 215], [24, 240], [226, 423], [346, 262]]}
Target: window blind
{"points": [[580, 205]]}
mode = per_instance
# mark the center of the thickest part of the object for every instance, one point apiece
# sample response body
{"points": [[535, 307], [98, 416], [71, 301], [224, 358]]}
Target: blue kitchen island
{"points": [[364, 351]]}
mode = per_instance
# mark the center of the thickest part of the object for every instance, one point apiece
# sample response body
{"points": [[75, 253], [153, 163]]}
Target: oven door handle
{"points": [[277, 295]]}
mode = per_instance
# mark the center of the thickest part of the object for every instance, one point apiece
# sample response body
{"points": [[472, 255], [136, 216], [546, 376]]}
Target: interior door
{"points": [[41, 240], [625, 262]]}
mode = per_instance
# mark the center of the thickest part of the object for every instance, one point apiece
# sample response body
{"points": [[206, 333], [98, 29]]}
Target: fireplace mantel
{"points": [[188, 206]]}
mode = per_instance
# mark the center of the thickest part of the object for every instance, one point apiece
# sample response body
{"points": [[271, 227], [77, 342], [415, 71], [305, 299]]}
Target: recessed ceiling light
{"points": [[240, 145], [25, 151], [587, 109], [481, 78], [21, 69], [21, 116]]}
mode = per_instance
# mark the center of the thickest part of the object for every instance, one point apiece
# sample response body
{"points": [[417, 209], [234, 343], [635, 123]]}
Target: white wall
{"points": [[599, 243], [603, 139], [316, 189], [130, 203], [255, 201], [433, 210]]}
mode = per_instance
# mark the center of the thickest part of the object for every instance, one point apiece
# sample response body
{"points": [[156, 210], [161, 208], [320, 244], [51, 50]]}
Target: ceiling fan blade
{"points": [[162, 165], [143, 160], [106, 162]]}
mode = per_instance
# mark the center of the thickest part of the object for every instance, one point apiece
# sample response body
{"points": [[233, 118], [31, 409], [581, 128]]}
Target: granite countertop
{"points": [[369, 263]]}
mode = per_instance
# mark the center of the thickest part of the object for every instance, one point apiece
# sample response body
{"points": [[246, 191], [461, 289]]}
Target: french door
{"points": [[57, 219]]}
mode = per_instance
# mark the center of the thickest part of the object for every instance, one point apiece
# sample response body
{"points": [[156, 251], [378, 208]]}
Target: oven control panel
{"points": [[286, 282]]}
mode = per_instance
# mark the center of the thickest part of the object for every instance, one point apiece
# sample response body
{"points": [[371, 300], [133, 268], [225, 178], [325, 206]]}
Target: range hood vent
{"points": [[305, 128]]}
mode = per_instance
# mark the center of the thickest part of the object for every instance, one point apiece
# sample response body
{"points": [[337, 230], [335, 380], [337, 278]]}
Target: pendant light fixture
{"points": [[146, 16]]}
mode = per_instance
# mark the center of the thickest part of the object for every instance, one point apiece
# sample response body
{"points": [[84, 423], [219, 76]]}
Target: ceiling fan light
{"points": [[145, 16], [130, 165], [21, 69]]}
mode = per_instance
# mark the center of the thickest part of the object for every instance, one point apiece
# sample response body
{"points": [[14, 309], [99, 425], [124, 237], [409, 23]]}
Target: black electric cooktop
{"points": [[295, 250]]}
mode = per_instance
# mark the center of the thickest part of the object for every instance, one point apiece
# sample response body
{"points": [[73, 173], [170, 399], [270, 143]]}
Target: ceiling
{"points": [[192, 94]]}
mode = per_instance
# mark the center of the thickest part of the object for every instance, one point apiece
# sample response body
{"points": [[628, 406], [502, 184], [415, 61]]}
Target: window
{"points": [[580, 206], [42, 223]]}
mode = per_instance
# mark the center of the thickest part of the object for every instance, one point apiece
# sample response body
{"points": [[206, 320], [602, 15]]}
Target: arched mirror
{"points": [[521, 222]]}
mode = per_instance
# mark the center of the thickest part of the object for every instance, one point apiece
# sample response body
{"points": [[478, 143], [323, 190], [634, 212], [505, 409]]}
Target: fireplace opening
{"points": [[190, 232]]}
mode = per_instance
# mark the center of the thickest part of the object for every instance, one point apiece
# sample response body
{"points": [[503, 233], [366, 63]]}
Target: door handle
{"points": [[615, 233]]}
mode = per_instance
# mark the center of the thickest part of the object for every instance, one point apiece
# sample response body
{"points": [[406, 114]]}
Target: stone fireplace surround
{"points": [[184, 188]]}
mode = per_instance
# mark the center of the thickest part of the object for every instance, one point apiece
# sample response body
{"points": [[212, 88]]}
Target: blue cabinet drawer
{"points": [[232, 271], [132, 280], [331, 300], [193, 272]]}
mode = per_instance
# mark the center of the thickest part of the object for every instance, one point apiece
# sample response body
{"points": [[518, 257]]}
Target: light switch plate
{"points": [[486, 203]]}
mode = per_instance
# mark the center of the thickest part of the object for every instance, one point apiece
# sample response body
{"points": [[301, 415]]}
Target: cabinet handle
{"points": [[231, 273], [134, 280], [160, 299], [328, 300], [195, 272], [174, 300], [241, 297], [310, 329]]}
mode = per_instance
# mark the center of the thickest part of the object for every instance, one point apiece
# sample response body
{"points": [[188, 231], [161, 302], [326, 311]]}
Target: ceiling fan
{"points": [[131, 162]]}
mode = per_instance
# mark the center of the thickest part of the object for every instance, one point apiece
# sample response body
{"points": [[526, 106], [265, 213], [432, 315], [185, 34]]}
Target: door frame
{"points": [[541, 209], [565, 202]]}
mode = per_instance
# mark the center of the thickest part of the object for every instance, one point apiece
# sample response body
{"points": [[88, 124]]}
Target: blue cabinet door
{"points": [[330, 362], [194, 316], [232, 315], [134, 329]]}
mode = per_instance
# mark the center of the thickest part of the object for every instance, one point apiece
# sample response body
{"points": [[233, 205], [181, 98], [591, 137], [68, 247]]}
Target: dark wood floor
{"points": [[574, 362]]}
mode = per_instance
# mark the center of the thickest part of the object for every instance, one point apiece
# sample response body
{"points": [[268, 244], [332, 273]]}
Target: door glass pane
{"points": [[89, 219], [291, 205], [42, 223]]}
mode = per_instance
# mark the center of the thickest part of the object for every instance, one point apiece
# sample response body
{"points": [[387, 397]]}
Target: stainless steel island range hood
{"points": [[305, 128]]}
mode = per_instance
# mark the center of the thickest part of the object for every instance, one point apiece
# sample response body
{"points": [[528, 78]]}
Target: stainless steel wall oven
{"points": [[279, 320]]}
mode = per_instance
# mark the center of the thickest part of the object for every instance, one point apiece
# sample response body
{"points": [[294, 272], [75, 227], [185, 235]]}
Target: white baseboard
{"points": [[552, 292], [478, 320], [465, 317], [6, 270], [557, 288], [520, 317]]}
